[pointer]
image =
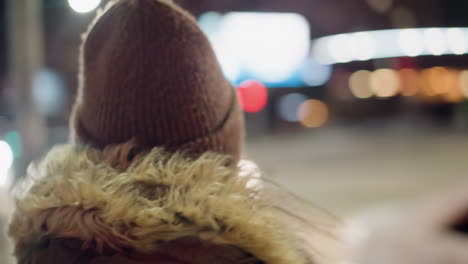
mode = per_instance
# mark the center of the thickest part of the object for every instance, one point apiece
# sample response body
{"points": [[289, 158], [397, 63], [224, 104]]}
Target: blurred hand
{"points": [[422, 235]]}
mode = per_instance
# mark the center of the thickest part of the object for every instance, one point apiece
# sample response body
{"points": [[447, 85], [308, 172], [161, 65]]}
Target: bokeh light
{"points": [[6, 161], [411, 42], [443, 84], [316, 74], [391, 43], [463, 82], [210, 23], [432, 85], [359, 84], [434, 81], [363, 46], [435, 41], [84, 6], [384, 83], [13, 138], [409, 82], [454, 93], [456, 41], [229, 64], [270, 46], [340, 48], [289, 104], [380, 6], [313, 113], [403, 17], [49, 92], [253, 96]]}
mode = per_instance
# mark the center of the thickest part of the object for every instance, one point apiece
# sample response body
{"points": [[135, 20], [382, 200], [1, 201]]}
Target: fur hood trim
{"points": [[161, 197]]}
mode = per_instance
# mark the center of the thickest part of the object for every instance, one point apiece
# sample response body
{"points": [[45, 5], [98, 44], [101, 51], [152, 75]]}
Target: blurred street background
{"points": [[348, 170], [353, 104]]}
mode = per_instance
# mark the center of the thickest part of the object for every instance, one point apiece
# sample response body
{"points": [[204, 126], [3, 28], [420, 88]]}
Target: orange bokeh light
{"points": [[313, 113]]}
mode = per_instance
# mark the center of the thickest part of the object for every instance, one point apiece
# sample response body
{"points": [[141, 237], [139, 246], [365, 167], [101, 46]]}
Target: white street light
{"points": [[84, 6], [6, 161]]}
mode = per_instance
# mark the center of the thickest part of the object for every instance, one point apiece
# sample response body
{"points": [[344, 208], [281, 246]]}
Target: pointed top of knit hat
{"points": [[149, 74]]}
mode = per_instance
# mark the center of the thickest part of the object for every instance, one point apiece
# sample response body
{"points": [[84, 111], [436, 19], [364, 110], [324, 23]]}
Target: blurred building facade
{"points": [[336, 99]]}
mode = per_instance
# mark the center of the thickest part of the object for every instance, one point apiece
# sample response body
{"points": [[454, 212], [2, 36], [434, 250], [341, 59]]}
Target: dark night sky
{"points": [[454, 13], [2, 38]]}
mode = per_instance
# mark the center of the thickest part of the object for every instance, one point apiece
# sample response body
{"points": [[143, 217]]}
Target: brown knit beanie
{"points": [[149, 74]]}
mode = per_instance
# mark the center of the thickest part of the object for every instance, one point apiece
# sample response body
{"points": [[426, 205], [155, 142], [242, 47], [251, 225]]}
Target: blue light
{"points": [[49, 92], [316, 74], [288, 106], [13, 139]]}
